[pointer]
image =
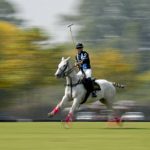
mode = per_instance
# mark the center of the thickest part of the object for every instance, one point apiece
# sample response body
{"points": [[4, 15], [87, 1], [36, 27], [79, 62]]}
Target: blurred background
{"points": [[34, 36]]}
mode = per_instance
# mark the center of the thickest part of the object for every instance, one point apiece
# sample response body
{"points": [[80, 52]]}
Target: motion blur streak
{"points": [[116, 34]]}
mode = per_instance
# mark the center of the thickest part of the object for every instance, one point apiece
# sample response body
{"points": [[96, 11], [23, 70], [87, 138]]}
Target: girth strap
{"points": [[72, 85]]}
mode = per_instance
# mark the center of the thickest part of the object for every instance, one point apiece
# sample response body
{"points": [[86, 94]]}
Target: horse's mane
{"points": [[72, 62]]}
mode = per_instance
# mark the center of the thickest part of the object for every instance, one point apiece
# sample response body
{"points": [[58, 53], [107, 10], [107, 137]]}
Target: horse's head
{"points": [[63, 68]]}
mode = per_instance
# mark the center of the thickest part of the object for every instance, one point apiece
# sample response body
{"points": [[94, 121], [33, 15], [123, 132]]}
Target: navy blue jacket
{"points": [[83, 56]]}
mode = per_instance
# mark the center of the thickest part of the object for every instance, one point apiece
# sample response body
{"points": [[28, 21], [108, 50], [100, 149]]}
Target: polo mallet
{"points": [[69, 26]]}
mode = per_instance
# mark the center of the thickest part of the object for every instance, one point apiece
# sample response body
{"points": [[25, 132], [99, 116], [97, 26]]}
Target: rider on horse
{"points": [[83, 63]]}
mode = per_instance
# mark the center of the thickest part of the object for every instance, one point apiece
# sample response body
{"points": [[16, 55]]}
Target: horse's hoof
{"points": [[115, 121], [50, 115], [69, 118], [119, 121], [66, 125]]}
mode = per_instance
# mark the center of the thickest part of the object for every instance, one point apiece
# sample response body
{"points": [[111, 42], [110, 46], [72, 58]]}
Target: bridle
{"points": [[65, 72]]}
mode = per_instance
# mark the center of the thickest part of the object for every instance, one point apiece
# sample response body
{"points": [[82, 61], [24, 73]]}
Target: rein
{"points": [[73, 85], [69, 71], [66, 74]]}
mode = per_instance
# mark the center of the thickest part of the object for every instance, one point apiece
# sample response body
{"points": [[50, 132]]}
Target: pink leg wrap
{"points": [[55, 110], [117, 119], [69, 117]]}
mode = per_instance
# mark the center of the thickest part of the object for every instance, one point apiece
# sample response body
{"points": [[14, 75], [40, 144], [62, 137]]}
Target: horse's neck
{"points": [[72, 78]]}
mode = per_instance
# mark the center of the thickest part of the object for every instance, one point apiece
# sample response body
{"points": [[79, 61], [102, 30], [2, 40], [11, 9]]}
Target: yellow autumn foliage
{"points": [[20, 62], [7, 28], [144, 77]]}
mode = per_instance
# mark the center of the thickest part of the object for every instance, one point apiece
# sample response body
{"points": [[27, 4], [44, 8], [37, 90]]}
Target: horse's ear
{"points": [[62, 58], [67, 58]]}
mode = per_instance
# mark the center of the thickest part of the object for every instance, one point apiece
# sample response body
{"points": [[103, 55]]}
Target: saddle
{"points": [[90, 85]]}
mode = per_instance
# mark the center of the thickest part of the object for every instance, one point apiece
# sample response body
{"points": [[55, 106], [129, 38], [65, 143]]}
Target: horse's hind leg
{"points": [[58, 106], [108, 105], [112, 114]]}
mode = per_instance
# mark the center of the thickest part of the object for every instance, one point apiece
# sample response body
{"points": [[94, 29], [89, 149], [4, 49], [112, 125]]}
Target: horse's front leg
{"points": [[75, 105], [58, 106]]}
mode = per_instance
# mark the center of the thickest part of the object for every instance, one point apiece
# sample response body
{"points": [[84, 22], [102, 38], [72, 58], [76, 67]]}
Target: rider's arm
{"points": [[78, 63], [85, 57]]}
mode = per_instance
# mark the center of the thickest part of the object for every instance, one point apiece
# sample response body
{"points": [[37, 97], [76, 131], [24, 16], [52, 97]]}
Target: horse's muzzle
{"points": [[58, 75]]}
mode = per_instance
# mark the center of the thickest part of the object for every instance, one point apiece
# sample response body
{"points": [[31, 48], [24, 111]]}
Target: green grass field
{"points": [[82, 136]]}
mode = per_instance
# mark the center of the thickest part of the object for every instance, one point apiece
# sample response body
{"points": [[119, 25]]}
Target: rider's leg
{"points": [[80, 74], [59, 105], [88, 73]]}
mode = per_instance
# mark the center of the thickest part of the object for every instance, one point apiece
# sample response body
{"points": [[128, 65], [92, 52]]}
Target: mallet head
{"points": [[69, 26]]}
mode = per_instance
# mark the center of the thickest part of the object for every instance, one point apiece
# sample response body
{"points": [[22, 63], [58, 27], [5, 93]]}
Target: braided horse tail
{"points": [[118, 85]]}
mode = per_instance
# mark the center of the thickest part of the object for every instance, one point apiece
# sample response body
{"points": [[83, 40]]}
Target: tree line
{"points": [[115, 28]]}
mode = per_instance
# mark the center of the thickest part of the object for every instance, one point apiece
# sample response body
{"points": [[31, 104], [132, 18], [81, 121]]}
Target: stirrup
{"points": [[94, 94]]}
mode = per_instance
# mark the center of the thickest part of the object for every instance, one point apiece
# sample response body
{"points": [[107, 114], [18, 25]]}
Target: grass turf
{"points": [[82, 136]]}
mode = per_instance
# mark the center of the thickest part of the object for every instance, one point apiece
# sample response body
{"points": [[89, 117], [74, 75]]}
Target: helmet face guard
{"points": [[79, 45]]}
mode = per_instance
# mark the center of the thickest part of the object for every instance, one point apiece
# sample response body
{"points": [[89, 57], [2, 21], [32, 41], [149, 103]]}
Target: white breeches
{"points": [[88, 73]]}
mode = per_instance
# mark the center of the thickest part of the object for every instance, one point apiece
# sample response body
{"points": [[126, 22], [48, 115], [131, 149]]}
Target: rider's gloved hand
{"points": [[78, 64]]}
